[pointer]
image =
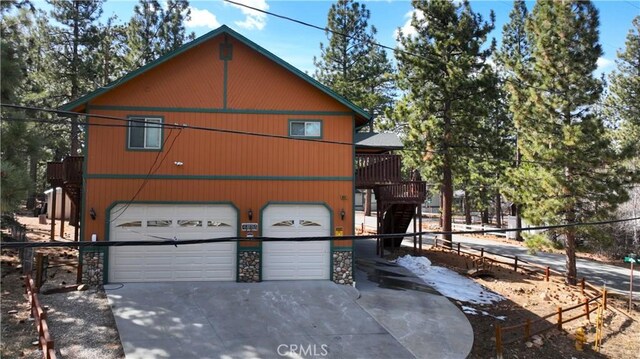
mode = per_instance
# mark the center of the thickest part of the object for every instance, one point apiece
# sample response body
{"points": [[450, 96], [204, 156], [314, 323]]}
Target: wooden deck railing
{"points": [[40, 316], [403, 192], [55, 173], [374, 169], [72, 166]]}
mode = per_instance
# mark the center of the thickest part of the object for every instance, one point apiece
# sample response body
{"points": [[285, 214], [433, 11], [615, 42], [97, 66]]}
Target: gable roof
{"points": [[221, 30], [387, 141]]}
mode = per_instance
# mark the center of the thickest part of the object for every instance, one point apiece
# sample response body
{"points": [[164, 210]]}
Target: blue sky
{"points": [[298, 45]]}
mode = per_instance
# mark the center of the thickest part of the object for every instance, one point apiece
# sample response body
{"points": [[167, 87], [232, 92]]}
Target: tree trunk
{"points": [[75, 142], [570, 233], [467, 209], [441, 208], [498, 209], [447, 181], [367, 202], [485, 216], [518, 222]]}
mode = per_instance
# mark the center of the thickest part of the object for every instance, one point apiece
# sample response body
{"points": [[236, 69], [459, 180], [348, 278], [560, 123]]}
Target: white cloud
{"points": [[253, 19], [604, 63], [202, 18], [407, 29]]}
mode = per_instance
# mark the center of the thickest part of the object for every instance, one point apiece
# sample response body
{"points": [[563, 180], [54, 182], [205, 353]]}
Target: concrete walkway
{"points": [[420, 318]]}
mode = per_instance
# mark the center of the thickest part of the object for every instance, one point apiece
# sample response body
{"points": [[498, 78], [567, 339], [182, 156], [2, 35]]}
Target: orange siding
{"points": [[195, 80], [102, 193], [192, 79], [216, 153]]}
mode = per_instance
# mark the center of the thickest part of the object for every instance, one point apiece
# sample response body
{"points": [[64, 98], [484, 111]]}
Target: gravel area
{"points": [[82, 325]]}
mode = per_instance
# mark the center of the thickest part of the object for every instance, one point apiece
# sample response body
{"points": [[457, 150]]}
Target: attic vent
{"points": [[226, 51]]}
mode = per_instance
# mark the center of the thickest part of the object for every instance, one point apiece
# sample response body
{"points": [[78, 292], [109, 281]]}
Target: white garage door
{"points": [[296, 260], [193, 262]]}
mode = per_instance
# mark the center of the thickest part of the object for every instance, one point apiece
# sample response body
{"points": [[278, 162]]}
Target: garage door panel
{"points": [[196, 262], [296, 260]]}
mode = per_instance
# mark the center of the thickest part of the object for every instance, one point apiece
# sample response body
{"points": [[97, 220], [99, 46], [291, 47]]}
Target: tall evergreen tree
{"points": [[154, 31], [75, 39], [143, 33], [574, 174], [623, 101], [350, 64], [173, 33], [514, 61], [444, 72]]}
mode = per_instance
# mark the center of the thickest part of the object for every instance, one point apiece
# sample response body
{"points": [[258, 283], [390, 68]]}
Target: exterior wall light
{"points": [[92, 213], [342, 214], [250, 214]]}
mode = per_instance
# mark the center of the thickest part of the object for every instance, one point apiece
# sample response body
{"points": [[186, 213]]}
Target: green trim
{"points": [[343, 249], [215, 177], [225, 77], [331, 229], [238, 111], [107, 223], [353, 200], [83, 200], [221, 30], [249, 249], [144, 117], [300, 120]]}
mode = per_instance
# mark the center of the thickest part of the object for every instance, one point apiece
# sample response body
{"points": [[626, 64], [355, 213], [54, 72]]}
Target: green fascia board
{"points": [[221, 30], [240, 111]]}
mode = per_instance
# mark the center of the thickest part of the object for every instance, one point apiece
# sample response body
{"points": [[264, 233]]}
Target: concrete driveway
{"points": [[301, 319]]}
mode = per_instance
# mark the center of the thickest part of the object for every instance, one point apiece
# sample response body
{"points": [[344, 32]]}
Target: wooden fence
{"points": [[480, 227], [40, 316], [527, 328]]}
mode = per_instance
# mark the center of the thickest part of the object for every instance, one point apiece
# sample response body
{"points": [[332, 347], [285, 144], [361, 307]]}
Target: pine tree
{"points": [[350, 64], [444, 72], [172, 32], [623, 101], [514, 61], [143, 34], [573, 174], [75, 40]]}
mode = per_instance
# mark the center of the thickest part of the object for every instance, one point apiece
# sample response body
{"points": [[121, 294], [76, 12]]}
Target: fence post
{"points": [[515, 264], [458, 248], [586, 307], [559, 318], [546, 274], [527, 328], [582, 286], [604, 298], [39, 264], [498, 342], [481, 252], [436, 241]]}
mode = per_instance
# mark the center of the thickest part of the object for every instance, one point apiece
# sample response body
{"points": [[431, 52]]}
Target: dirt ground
{"points": [[529, 296], [80, 322]]}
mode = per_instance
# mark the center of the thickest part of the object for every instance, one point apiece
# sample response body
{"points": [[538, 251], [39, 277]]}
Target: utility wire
{"points": [[173, 242]]}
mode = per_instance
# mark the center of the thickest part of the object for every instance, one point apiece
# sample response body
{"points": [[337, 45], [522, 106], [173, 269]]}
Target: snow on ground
{"points": [[474, 311], [448, 282]]}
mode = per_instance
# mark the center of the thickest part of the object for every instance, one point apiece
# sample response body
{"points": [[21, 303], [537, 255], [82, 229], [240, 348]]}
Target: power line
{"points": [[173, 242]]}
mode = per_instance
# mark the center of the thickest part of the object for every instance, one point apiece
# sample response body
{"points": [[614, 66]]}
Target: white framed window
{"points": [[144, 133], [300, 128]]}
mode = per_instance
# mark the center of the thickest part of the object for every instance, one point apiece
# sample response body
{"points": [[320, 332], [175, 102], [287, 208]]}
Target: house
{"points": [[219, 138]]}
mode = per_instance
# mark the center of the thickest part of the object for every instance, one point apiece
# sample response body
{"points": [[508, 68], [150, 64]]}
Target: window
{"points": [[159, 223], [145, 133], [217, 224], [131, 224], [305, 128], [189, 223], [307, 223]]}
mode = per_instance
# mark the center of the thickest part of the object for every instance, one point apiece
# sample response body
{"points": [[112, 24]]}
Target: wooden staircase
{"points": [[68, 175], [399, 201]]}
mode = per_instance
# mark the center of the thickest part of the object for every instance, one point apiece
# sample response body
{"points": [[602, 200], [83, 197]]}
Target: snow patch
{"points": [[474, 311], [448, 282]]}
